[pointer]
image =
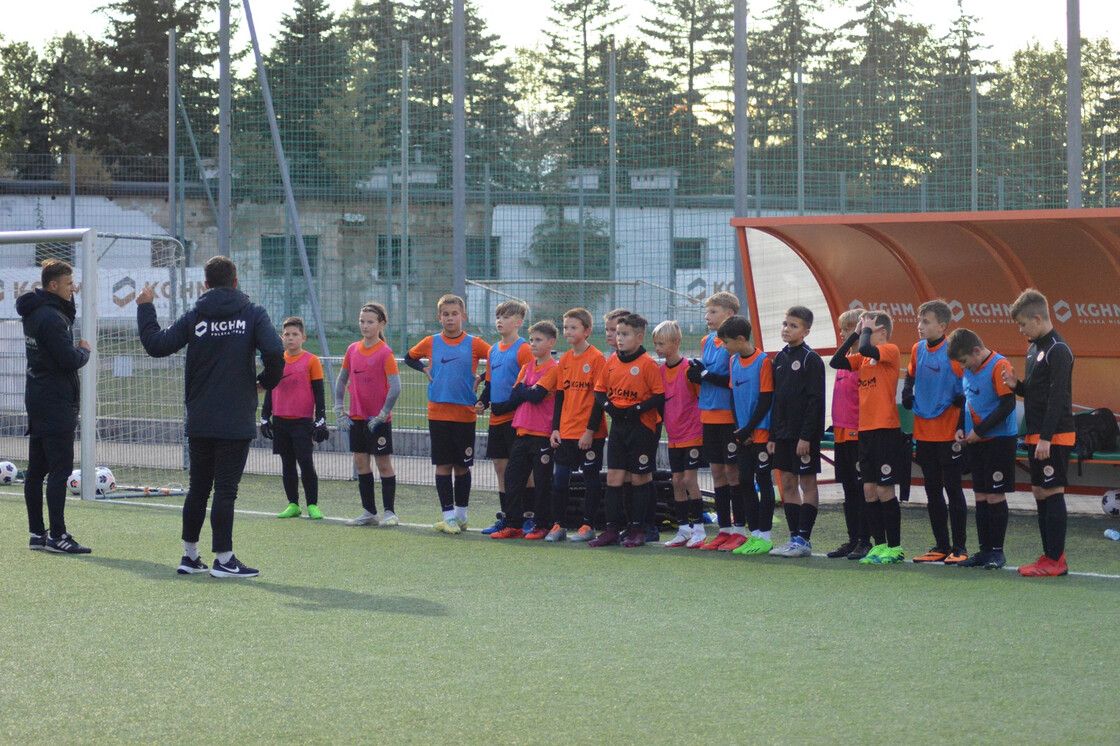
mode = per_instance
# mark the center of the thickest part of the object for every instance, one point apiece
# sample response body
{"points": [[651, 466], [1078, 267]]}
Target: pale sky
{"points": [[1007, 25]]}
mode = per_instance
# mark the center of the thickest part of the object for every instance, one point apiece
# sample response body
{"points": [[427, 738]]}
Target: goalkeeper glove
{"points": [[696, 370], [342, 419], [266, 428], [373, 422], [320, 433]]}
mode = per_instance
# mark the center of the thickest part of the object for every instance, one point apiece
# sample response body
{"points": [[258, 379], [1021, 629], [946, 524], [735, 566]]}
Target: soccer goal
{"points": [[131, 423]]}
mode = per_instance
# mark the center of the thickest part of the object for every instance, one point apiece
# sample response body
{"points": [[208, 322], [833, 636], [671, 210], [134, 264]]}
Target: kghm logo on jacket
{"points": [[220, 328]]}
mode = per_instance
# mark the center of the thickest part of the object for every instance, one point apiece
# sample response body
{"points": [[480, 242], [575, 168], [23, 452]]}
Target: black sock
{"points": [[958, 508], [880, 533], [793, 516], [892, 522], [723, 506], [651, 506], [462, 490], [643, 496], [806, 519], [983, 526], [938, 515], [365, 490], [680, 512], [696, 512], [445, 492], [389, 493], [874, 520], [592, 495], [502, 507], [997, 525], [853, 499], [1056, 526], [765, 484], [1042, 508], [615, 511], [750, 503], [738, 505]]}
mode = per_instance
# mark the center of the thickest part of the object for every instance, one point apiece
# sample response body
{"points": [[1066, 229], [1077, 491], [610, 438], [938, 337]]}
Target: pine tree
{"points": [[579, 34], [130, 99], [306, 67]]}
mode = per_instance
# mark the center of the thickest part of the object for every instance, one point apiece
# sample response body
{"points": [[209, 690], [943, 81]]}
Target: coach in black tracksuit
{"points": [[222, 334], [51, 397]]}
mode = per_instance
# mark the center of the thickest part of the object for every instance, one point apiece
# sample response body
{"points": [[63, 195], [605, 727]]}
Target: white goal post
{"points": [[117, 411]]}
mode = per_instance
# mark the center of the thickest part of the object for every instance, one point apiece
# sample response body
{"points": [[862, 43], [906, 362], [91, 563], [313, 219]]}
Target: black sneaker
{"points": [[65, 544], [859, 551], [843, 550], [980, 559], [232, 569], [653, 534], [38, 541], [996, 560], [188, 566]]}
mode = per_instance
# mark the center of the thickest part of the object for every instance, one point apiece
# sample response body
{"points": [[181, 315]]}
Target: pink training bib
{"points": [[292, 397], [368, 384]]}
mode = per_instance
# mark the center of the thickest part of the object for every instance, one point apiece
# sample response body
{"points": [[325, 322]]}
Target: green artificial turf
{"points": [[372, 635]]}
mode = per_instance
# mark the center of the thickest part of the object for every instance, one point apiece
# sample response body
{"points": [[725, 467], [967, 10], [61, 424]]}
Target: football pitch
{"points": [[374, 635]]}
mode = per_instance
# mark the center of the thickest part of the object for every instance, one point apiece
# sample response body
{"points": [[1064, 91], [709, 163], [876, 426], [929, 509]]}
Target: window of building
{"points": [[280, 256], [688, 253]]}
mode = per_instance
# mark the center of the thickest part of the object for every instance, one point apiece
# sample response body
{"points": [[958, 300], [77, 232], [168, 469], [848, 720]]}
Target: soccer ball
{"points": [[7, 472], [1110, 502], [106, 482]]}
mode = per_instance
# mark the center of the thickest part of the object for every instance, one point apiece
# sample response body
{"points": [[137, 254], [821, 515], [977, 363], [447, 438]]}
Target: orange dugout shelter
{"points": [[978, 263]]}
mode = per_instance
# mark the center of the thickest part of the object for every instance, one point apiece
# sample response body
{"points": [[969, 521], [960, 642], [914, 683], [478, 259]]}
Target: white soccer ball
{"points": [[106, 482], [1110, 502], [7, 472]]}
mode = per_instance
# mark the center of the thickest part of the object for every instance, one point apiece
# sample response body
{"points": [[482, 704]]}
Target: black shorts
{"points": [[720, 446], [570, 455], [499, 440], [880, 456], [377, 443], [993, 465], [846, 456], [686, 458], [291, 438], [452, 442], [631, 447], [947, 454], [1050, 473], [787, 460], [754, 459]]}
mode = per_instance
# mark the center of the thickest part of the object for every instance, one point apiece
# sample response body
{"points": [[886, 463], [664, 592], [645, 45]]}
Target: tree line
{"points": [[882, 99]]}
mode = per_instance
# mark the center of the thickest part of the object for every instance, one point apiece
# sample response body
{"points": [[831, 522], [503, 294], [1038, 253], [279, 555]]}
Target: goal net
{"points": [[132, 405]]}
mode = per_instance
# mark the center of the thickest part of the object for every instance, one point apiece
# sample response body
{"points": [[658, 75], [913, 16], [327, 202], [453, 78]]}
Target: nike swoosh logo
{"points": [[934, 368], [446, 360]]}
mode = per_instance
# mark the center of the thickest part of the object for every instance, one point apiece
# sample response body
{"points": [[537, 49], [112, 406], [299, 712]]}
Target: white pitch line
{"points": [[267, 514]]}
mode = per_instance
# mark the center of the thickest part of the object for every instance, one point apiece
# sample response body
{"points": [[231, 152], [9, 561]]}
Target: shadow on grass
{"points": [[313, 599]]}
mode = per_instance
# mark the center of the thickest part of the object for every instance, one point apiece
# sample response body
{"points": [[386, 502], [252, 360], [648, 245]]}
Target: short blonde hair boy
{"points": [[582, 315], [512, 308], [669, 331], [723, 300], [849, 318], [450, 300]]}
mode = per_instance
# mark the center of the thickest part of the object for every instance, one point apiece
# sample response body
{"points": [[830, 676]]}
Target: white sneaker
{"points": [[390, 519], [781, 551], [699, 536], [684, 535], [365, 519]]}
